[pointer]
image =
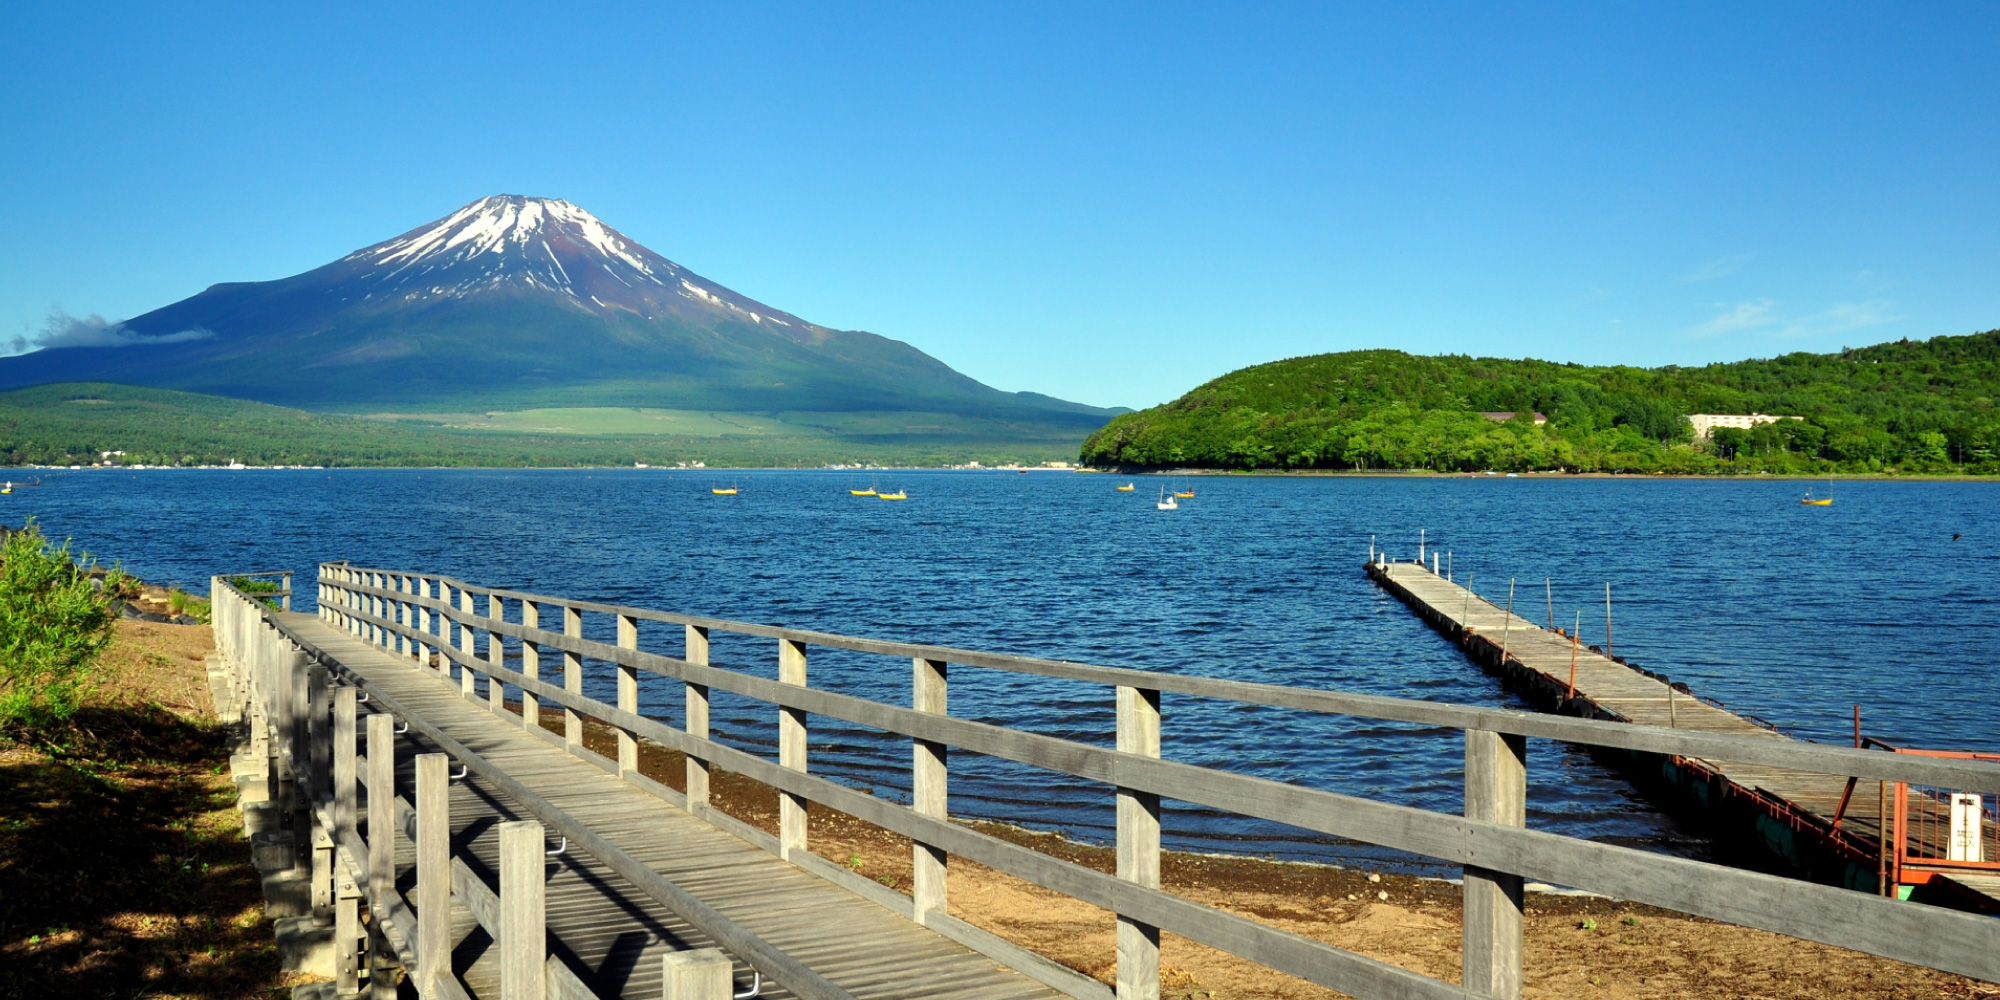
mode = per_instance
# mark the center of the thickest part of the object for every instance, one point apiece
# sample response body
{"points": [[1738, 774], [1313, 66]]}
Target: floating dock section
{"points": [[1821, 826]]}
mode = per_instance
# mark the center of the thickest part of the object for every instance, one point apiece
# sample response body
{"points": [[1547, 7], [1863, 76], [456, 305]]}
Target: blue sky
{"points": [[1103, 202]]}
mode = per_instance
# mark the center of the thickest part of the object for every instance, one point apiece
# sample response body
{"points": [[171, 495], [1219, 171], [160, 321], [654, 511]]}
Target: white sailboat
{"points": [[1167, 502]]}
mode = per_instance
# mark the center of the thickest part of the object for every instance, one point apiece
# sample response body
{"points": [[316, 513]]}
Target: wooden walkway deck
{"points": [[608, 932], [1607, 688]]}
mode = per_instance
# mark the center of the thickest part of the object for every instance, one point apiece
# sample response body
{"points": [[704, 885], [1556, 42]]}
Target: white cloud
{"points": [[1845, 316], [64, 330], [1741, 316], [1718, 267]]}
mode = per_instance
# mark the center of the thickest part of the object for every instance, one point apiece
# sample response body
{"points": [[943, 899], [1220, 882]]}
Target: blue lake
{"points": [[1793, 613]]}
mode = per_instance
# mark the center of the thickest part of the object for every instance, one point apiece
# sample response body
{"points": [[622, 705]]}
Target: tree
{"points": [[53, 626]]}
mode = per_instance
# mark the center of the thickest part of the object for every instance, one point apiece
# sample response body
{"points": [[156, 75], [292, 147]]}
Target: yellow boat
{"points": [[723, 490], [1828, 502], [898, 495], [1127, 488], [1184, 493], [869, 492]]}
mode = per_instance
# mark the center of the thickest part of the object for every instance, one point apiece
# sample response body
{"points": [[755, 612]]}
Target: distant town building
{"points": [[1502, 416], [1706, 423]]}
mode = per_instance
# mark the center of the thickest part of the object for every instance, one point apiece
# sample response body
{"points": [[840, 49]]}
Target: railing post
{"points": [[319, 737], [305, 767], [791, 750], [405, 645], [381, 845], [496, 654], [468, 678], [347, 918], [373, 581], [697, 719], [572, 678], [628, 695], [433, 869], [531, 665], [1138, 845], [701, 974], [523, 933], [1496, 791], [286, 601], [929, 775]]}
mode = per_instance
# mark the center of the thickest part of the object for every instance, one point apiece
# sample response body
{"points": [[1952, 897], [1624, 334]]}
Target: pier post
{"points": [[496, 654], [1507, 625], [531, 665], [697, 719], [319, 758], [381, 845], [628, 695], [468, 646], [1496, 791], [928, 782], [285, 602], [304, 772], [701, 974], [1138, 845], [346, 904], [572, 678], [433, 869], [523, 928], [791, 750], [344, 806]]}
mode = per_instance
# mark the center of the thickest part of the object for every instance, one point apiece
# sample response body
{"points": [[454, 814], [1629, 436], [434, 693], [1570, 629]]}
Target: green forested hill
{"points": [[1908, 406]]}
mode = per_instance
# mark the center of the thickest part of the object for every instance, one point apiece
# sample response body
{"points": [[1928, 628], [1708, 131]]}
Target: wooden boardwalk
{"points": [[610, 933], [1541, 660]]}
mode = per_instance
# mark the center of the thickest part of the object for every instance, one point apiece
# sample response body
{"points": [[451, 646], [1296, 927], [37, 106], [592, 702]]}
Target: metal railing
{"points": [[433, 620]]}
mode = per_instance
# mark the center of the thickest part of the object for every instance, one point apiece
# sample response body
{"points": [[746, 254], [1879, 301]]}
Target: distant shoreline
{"points": [[1205, 473]]}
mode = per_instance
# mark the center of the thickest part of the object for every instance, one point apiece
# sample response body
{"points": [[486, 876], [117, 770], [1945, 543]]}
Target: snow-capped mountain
{"points": [[515, 301], [508, 241]]}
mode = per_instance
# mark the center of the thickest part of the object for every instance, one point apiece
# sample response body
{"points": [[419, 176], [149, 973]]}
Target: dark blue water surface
{"points": [[1793, 613]]}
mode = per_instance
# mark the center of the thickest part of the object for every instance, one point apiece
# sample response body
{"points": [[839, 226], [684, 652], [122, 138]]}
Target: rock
{"points": [[1383, 895], [1374, 876]]}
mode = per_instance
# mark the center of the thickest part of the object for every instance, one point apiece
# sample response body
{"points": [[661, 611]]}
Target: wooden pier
{"points": [[1827, 826], [439, 832]]}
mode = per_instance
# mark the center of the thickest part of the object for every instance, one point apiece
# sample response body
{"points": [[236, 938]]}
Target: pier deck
{"points": [[611, 934], [1540, 660]]}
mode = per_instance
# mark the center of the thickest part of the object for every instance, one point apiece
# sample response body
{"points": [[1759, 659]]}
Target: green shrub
{"points": [[53, 626]]}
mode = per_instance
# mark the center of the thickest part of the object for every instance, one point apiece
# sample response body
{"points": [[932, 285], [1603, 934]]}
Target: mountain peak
{"points": [[510, 243]]}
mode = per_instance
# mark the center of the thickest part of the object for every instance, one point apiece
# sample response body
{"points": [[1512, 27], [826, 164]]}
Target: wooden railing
{"points": [[304, 715], [433, 619]]}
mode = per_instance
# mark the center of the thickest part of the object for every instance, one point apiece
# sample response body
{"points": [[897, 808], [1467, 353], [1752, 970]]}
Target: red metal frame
{"points": [[1906, 868]]}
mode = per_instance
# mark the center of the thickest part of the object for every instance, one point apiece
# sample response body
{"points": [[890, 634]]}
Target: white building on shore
{"points": [[1706, 423]]}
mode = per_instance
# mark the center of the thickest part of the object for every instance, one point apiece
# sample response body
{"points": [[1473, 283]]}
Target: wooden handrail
{"points": [[1790, 754], [1923, 935]]}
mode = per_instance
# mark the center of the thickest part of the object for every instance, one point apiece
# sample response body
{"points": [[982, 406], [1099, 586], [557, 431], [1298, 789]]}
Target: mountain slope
{"points": [[1911, 406], [514, 301]]}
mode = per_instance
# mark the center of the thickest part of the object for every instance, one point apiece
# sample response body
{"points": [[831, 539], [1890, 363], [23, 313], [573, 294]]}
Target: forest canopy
{"points": [[1911, 407]]}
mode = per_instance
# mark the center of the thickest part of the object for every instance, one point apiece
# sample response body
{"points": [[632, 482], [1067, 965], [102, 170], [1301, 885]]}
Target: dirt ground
{"points": [[122, 868], [1577, 946]]}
